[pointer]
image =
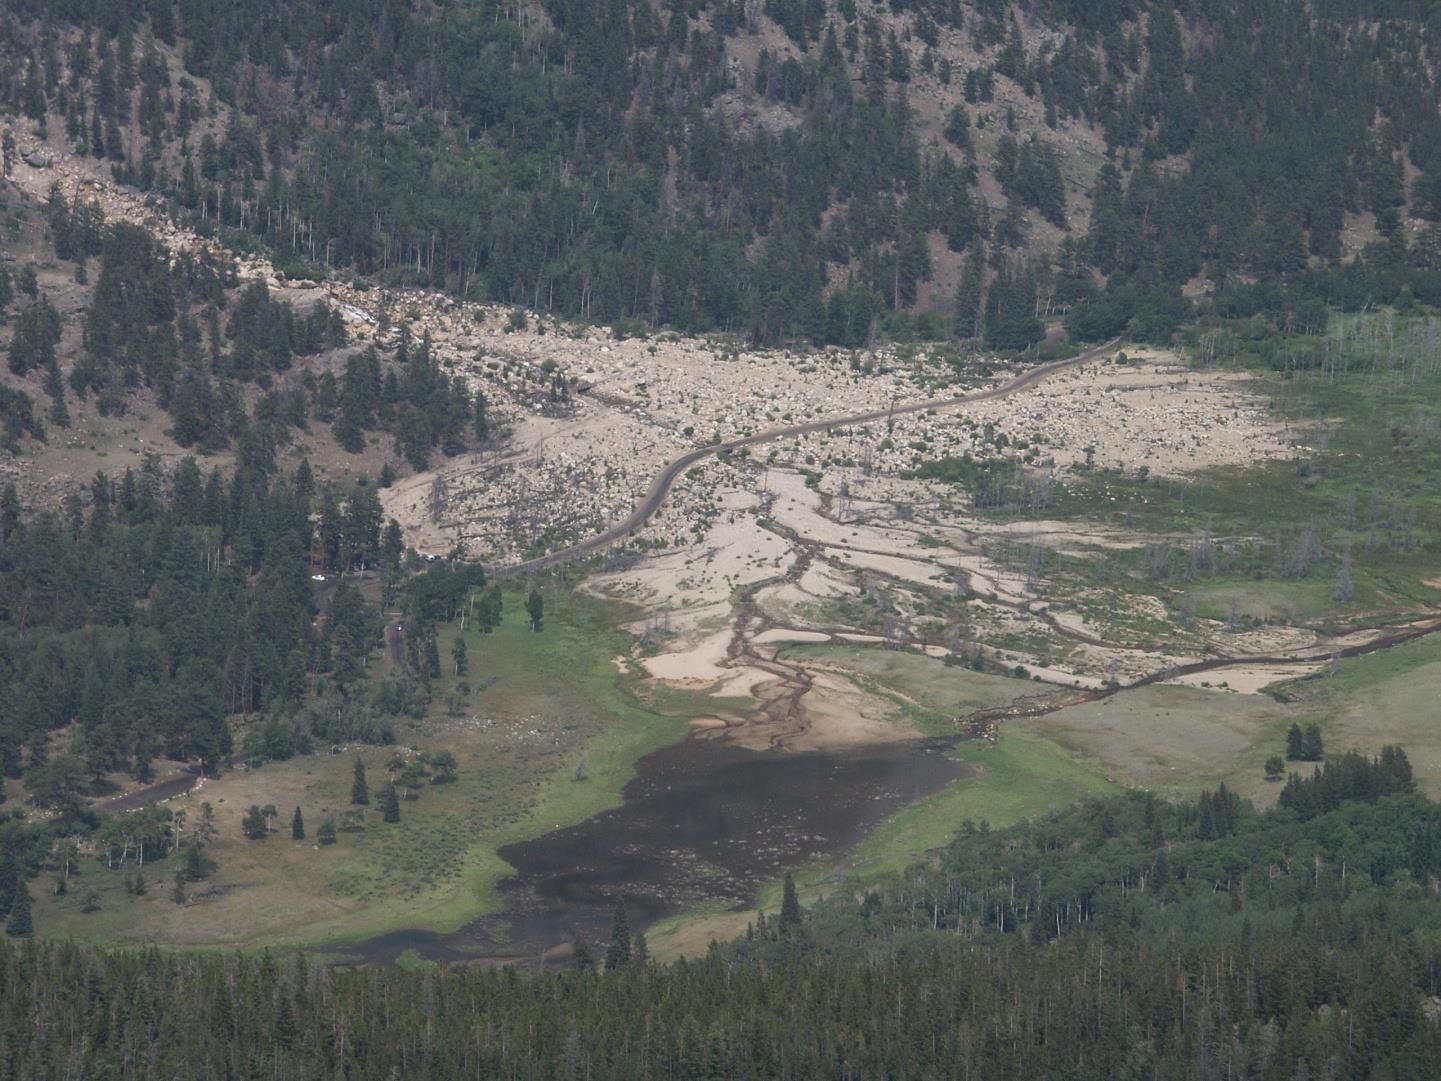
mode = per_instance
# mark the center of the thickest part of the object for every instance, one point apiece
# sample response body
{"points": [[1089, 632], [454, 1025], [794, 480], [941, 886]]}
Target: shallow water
{"points": [[177, 785], [703, 822]]}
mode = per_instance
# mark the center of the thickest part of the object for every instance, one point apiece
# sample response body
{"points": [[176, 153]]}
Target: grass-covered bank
{"points": [[538, 705], [1022, 774]]}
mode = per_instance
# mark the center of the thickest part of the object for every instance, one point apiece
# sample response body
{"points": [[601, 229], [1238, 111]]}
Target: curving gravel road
{"points": [[660, 487]]}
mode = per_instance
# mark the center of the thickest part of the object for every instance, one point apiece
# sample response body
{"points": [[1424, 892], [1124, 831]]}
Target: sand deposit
{"points": [[821, 536]]}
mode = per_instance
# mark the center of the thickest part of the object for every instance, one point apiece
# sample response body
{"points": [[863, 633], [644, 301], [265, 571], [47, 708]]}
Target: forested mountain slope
{"points": [[787, 169], [783, 172]]}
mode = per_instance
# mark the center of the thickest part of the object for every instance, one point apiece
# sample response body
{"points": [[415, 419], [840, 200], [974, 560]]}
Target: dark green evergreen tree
{"points": [[253, 824], [581, 957], [481, 417], [55, 387], [359, 788], [36, 334], [958, 127], [970, 294], [432, 654], [195, 862], [10, 879], [618, 953], [20, 924], [790, 915]]}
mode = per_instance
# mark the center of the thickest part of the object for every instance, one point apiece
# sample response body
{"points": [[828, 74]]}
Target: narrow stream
{"points": [[706, 822]]}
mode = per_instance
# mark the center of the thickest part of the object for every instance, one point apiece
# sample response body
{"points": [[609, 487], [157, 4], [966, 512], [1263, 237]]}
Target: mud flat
{"points": [[704, 822], [176, 784]]}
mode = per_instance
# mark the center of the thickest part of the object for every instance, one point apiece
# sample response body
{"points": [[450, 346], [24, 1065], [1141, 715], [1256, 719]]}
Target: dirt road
{"points": [[661, 486]]}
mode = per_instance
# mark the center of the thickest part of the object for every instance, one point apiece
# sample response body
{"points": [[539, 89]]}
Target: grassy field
{"points": [[930, 694], [1387, 697], [1021, 775], [1174, 741], [1364, 488], [1180, 740], [538, 704], [1293, 601]]}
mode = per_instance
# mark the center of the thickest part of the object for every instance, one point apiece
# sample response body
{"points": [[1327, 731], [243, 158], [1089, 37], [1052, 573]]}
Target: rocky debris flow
{"points": [[586, 419], [457, 329], [603, 448], [590, 419]]}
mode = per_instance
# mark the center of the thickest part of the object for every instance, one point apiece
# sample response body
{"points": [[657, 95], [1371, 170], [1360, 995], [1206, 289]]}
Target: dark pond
{"points": [[703, 822], [176, 785]]}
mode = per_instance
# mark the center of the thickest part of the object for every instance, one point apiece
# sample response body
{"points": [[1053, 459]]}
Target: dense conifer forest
{"points": [[606, 160], [1154, 163], [167, 605], [226, 362]]}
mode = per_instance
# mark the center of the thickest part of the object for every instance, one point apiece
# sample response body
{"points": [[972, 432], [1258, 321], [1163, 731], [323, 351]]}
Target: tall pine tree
{"points": [[617, 954], [359, 788], [20, 924]]}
